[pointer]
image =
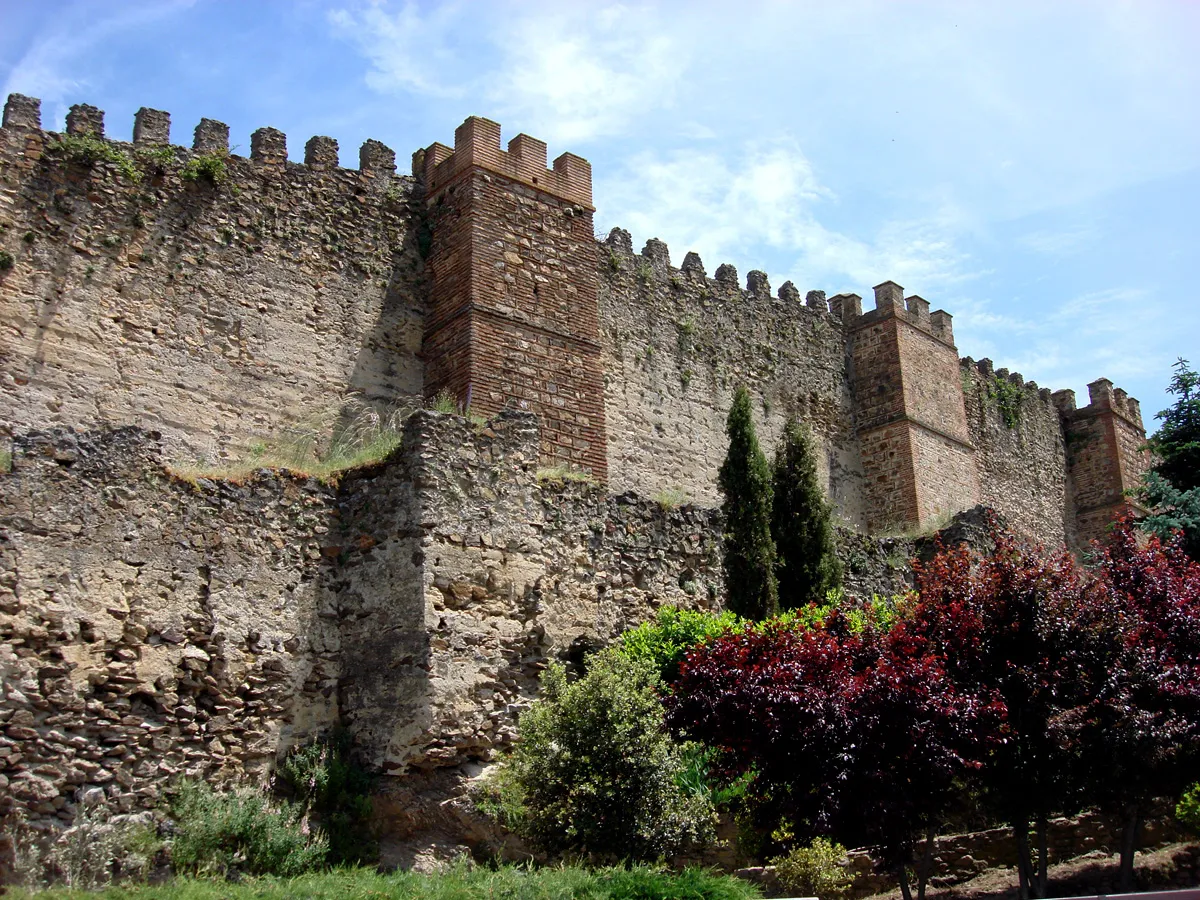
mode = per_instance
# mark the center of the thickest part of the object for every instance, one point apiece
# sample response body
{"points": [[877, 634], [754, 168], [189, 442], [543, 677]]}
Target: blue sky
{"points": [[1033, 168]]}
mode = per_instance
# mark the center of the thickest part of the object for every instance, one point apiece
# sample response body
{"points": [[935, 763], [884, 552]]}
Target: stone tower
{"points": [[908, 398], [513, 321], [1105, 455]]}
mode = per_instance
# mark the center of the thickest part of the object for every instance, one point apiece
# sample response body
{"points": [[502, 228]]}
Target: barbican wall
{"points": [[152, 626]]}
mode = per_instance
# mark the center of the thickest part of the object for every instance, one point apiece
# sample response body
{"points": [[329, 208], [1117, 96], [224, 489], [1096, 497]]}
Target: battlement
{"points": [[1102, 398], [655, 258], [152, 127], [477, 145], [890, 301], [985, 369]]}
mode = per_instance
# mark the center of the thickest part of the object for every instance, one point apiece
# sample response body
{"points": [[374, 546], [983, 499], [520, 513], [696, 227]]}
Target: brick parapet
{"points": [[477, 146]]}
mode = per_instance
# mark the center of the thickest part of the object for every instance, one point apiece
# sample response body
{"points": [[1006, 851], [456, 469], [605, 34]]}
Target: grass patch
{"points": [[459, 882], [445, 402], [208, 167], [560, 474], [88, 149], [361, 436], [671, 498], [5, 461]]}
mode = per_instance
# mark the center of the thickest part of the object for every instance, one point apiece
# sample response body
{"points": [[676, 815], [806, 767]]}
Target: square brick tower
{"points": [[513, 320], [911, 422], [1105, 455]]}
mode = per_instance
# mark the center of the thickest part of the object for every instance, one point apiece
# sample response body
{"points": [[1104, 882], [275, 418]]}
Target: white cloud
{"points": [[565, 73], [765, 203], [409, 51], [580, 72]]}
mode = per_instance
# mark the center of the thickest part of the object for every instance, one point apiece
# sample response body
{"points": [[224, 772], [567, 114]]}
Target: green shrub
{"points": [[1188, 810], [240, 832], [326, 783], [665, 641], [208, 167], [88, 149], [697, 777], [818, 870], [596, 773], [6, 261]]}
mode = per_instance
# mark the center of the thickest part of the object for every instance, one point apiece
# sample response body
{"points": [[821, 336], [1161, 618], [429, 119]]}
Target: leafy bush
{"points": [[1188, 810], [97, 849], [596, 773], [208, 167], [240, 832], [327, 784], [818, 870], [6, 261], [88, 149], [665, 641]]}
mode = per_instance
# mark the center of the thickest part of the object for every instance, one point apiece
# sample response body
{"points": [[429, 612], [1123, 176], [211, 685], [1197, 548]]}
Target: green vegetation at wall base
{"points": [[460, 883]]}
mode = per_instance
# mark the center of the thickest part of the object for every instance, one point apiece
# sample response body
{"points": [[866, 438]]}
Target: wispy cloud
{"points": [[568, 73], [410, 50], [50, 68], [767, 197], [586, 71]]}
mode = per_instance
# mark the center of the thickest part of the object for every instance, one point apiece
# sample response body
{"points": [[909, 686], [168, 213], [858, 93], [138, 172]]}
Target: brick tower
{"points": [[513, 319], [908, 398], [1104, 455]]}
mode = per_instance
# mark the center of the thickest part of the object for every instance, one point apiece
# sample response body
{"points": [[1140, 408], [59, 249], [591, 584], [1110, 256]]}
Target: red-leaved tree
{"points": [[1036, 630], [852, 732], [1140, 737]]}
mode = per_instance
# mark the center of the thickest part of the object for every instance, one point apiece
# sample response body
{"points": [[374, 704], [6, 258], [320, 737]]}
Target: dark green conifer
{"points": [[745, 481], [807, 566]]}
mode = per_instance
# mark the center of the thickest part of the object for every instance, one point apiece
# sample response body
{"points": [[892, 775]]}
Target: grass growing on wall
{"points": [[360, 436], [560, 474]]}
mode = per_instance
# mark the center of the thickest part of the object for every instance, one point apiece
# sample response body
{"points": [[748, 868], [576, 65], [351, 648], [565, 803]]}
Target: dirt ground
{"points": [[1171, 867]]}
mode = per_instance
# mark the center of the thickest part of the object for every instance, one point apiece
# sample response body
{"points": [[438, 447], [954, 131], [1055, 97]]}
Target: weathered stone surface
{"points": [[677, 347], [205, 628], [215, 314]]}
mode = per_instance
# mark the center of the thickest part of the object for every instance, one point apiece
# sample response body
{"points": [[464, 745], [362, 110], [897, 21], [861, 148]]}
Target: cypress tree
{"points": [[745, 481], [801, 523]]}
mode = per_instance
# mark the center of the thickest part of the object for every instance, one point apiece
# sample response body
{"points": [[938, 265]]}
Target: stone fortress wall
{"points": [[222, 314], [214, 313], [151, 626]]}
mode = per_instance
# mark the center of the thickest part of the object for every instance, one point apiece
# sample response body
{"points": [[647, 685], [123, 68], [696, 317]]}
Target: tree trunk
{"points": [[1129, 841], [1024, 868], [905, 890], [925, 865], [1041, 887]]}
